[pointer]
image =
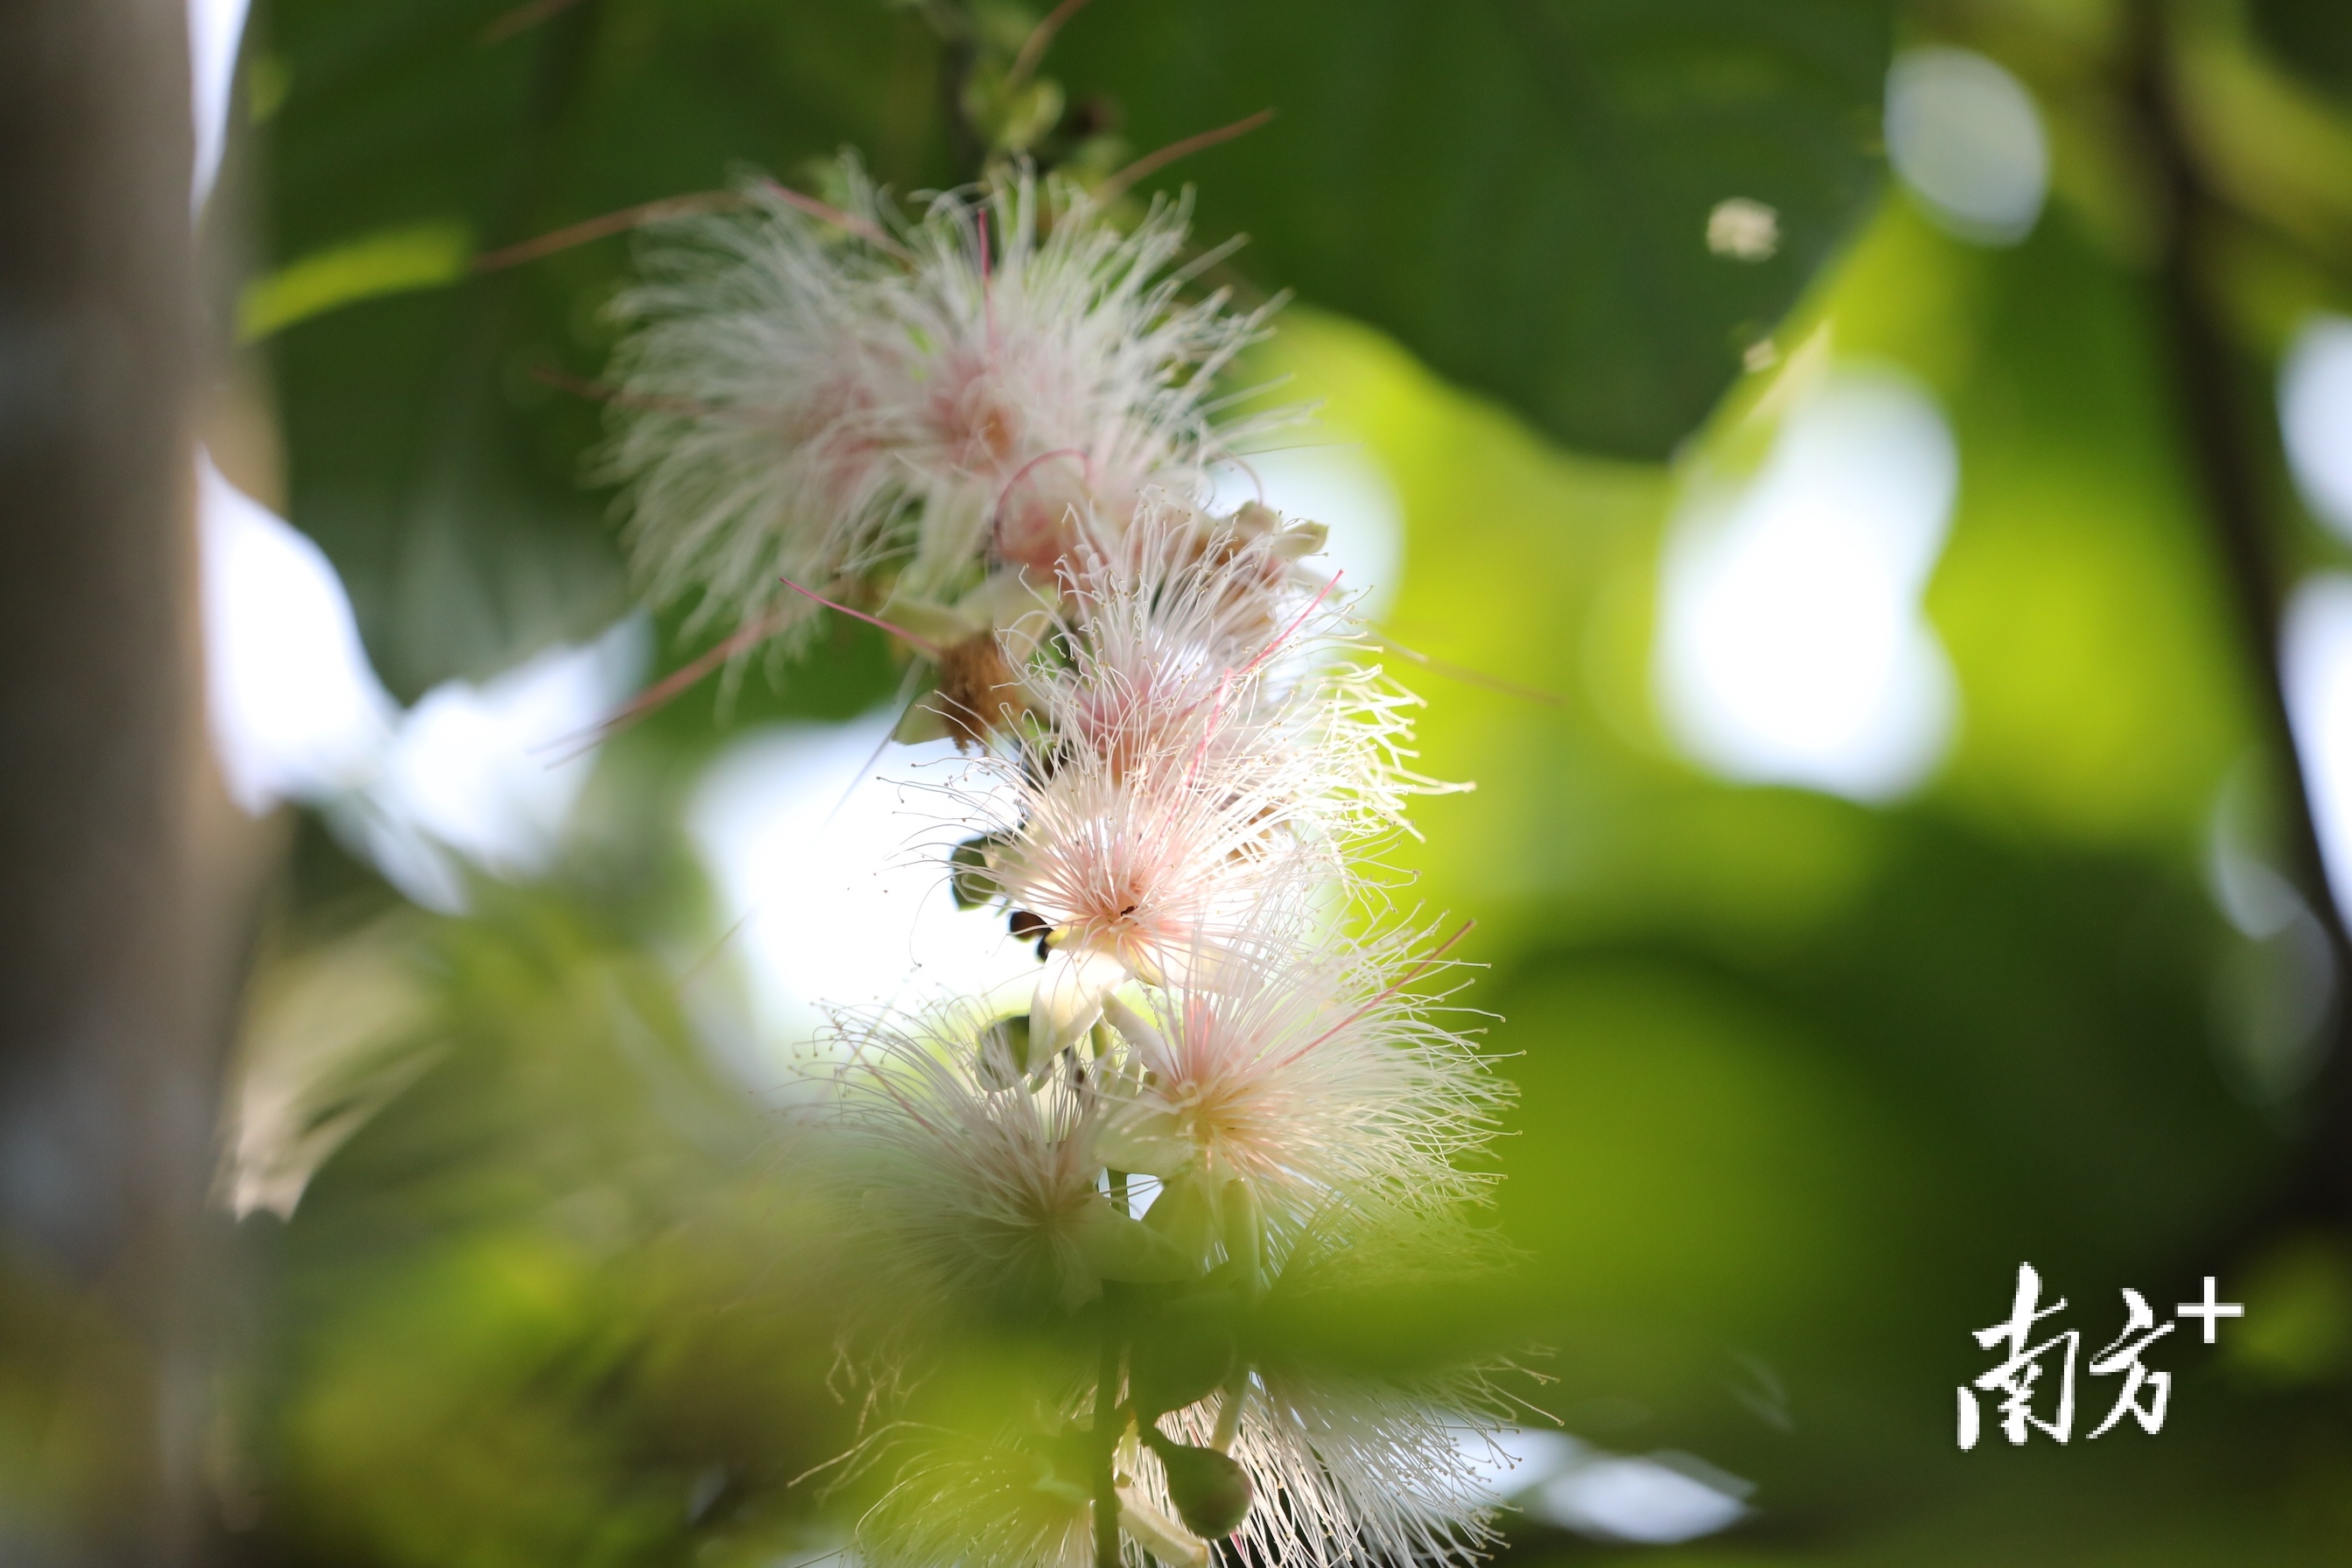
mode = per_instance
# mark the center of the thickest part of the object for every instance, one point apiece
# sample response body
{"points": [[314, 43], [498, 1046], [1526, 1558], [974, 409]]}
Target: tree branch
{"points": [[2227, 470]]}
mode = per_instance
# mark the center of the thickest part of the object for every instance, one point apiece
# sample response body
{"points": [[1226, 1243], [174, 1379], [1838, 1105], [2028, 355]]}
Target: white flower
{"points": [[1218, 645], [748, 424], [971, 1195], [1135, 875], [1196, 748], [1052, 370], [957, 1500], [1350, 1470], [1342, 1470], [1308, 1070], [795, 401]]}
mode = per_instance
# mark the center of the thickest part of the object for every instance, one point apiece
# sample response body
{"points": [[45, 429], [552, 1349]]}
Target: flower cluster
{"points": [[874, 399], [1232, 1089]]}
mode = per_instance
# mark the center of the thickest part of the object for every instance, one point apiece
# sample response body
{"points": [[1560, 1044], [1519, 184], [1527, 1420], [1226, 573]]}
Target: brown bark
{"points": [[111, 962]]}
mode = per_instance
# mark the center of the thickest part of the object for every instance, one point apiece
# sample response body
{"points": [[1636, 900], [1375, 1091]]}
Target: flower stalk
{"points": [[1108, 1428]]}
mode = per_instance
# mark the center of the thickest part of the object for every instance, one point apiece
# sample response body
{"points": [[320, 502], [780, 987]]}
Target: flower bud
{"points": [[972, 872], [1211, 1490], [1184, 1213], [1244, 1236], [978, 691]]}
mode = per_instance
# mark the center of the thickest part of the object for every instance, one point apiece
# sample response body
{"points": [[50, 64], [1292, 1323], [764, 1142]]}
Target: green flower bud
{"points": [[1211, 1490], [972, 872]]}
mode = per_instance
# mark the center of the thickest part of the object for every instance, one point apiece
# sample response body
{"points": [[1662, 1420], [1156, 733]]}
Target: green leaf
{"points": [[1518, 190], [416, 256], [2311, 37], [426, 452]]}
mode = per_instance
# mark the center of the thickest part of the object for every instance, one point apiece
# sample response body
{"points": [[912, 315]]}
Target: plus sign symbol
{"points": [[2211, 1310]]}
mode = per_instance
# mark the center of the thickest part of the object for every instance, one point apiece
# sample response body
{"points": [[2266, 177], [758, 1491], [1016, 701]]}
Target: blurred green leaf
{"points": [[1802, 1081], [1519, 191], [440, 472], [2312, 37], [425, 256], [2298, 1324], [527, 1313]]}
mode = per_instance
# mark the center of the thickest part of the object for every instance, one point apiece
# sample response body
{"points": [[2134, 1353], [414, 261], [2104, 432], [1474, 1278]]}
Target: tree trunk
{"points": [[113, 948]]}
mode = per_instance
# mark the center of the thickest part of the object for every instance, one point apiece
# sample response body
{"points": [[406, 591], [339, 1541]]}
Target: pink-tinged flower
{"points": [[1135, 875], [1193, 745], [1045, 374], [971, 1186], [1217, 647], [797, 400], [1309, 1070], [750, 426]]}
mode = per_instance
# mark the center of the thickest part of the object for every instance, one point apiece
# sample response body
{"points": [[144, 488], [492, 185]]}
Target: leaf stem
{"points": [[1033, 49], [1152, 163], [611, 223]]}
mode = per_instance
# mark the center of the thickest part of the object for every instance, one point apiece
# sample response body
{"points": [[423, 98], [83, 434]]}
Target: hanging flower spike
{"points": [[989, 430]]}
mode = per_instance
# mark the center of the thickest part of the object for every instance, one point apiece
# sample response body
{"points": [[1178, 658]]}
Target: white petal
{"points": [[1158, 1534], [1148, 962], [1142, 1137], [1069, 998], [1139, 1033]]}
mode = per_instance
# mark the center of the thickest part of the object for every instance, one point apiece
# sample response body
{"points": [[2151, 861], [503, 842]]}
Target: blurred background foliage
{"points": [[1802, 1077]]}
